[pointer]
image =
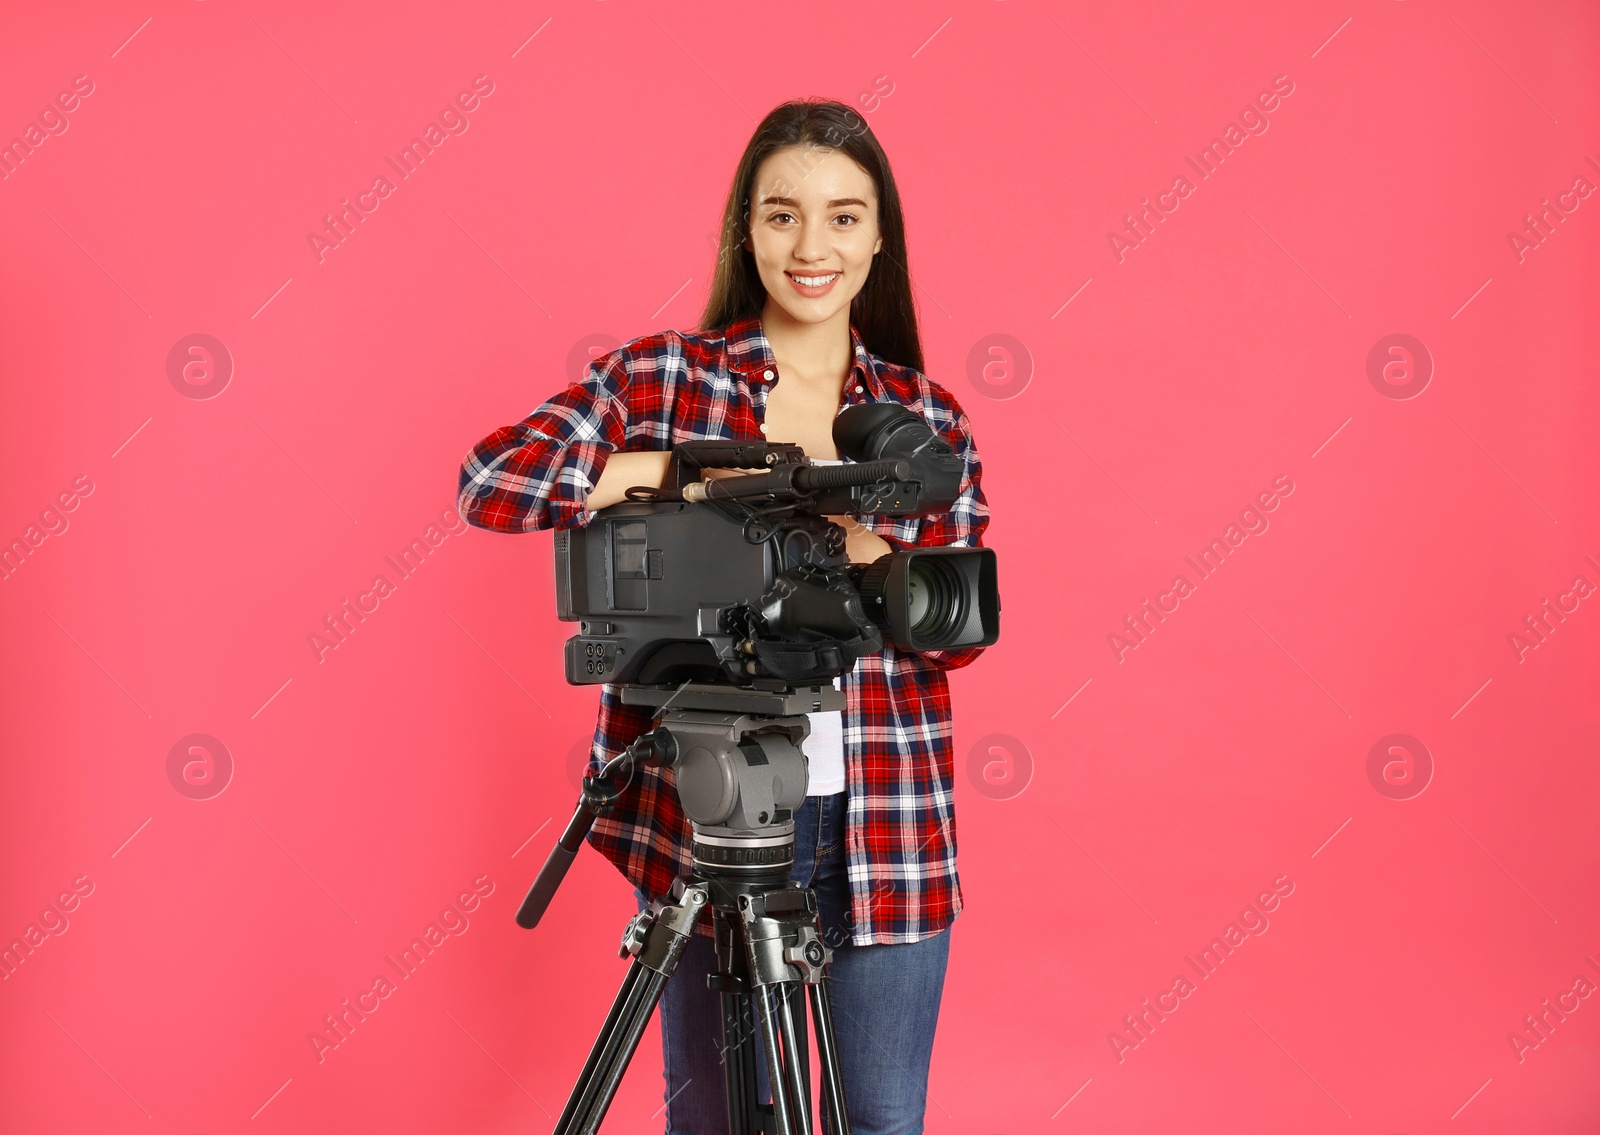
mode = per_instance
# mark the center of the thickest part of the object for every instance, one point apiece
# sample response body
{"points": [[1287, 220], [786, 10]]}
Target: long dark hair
{"points": [[882, 311]]}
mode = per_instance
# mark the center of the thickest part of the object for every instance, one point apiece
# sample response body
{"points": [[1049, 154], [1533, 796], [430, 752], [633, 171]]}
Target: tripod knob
{"points": [[633, 935], [810, 955]]}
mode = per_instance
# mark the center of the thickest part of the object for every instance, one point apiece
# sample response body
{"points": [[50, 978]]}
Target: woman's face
{"points": [[813, 215]]}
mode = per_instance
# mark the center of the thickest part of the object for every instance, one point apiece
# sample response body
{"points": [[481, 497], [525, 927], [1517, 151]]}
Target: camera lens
{"points": [[933, 593], [931, 598]]}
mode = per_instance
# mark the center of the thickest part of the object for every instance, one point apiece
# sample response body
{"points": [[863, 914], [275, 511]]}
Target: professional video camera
{"points": [[743, 580], [728, 605]]}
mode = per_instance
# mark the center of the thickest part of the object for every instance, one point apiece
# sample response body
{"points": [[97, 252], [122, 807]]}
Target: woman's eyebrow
{"points": [[835, 203]]}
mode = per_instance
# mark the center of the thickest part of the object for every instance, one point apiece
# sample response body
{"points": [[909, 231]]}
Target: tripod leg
{"points": [[797, 1007], [593, 1094], [739, 1065], [740, 1060], [793, 1027], [786, 950], [600, 1054], [828, 1056], [656, 937], [768, 1000]]}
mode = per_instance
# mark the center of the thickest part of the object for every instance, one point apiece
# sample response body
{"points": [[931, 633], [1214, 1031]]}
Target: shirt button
{"points": [[767, 374], [860, 388], [762, 427]]}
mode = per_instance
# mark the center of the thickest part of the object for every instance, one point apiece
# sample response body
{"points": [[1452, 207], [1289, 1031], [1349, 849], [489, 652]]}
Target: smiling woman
{"points": [[810, 312]]}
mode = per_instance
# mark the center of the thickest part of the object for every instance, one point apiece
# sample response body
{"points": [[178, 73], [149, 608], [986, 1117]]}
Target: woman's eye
{"points": [[851, 217]]}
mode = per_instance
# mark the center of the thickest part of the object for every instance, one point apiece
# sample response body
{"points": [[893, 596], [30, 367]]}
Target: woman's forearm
{"points": [[625, 470]]}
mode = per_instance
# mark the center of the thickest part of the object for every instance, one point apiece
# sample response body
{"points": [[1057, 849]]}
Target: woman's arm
{"points": [[625, 470], [541, 472]]}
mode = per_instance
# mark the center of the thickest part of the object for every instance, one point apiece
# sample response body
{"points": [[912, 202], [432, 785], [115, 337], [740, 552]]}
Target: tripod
{"points": [[740, 775]]}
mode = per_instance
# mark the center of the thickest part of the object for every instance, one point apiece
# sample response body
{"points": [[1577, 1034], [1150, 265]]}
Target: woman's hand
{"points": [[862, 545]]}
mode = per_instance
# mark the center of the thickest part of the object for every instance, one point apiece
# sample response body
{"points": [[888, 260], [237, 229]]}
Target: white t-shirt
{"points": [[824, 747], [824, 750]]}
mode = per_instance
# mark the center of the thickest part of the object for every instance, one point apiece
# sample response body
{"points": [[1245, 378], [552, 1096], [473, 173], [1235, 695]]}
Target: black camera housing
{"points": [[745, 581]]}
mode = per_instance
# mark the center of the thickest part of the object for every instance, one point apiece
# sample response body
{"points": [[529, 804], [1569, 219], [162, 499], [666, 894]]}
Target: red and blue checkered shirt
{"points": [[650, 394]]}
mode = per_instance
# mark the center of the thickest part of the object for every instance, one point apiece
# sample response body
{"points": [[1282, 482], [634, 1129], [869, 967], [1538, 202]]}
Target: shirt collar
{"points": [[750, 354]]}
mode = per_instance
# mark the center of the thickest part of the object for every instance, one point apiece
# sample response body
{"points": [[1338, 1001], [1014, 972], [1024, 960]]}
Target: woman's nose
{"points": [[813, 243]]}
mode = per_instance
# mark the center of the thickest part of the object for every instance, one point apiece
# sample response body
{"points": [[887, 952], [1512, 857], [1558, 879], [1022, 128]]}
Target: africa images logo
{"points": [[341, 226]]}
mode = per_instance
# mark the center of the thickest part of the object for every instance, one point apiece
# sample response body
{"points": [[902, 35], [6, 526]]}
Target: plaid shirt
{"points": [[900, 841]]}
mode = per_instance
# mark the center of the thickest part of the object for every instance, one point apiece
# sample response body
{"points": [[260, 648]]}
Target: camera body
{"points": [[666, 593], [744, 581]]}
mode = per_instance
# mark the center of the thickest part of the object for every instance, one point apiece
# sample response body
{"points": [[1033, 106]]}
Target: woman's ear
{"points": [[877, 248]]}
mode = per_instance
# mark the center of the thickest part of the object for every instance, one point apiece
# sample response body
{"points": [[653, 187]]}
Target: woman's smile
{"points": [[813, 284]]}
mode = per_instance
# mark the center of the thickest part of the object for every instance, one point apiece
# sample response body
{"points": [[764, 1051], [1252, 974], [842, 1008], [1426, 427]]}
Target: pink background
{"points": [[1115, 816]]}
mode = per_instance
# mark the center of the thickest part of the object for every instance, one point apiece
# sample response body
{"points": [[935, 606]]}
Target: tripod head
{"points": [[740, 773]]}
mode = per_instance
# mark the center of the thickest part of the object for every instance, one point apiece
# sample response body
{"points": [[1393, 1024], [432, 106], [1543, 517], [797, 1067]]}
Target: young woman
{"points": [[810, 311]]}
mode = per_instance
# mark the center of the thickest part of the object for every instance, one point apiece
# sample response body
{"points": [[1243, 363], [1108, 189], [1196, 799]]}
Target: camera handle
{"points": [[600, 792], [689, 457]]}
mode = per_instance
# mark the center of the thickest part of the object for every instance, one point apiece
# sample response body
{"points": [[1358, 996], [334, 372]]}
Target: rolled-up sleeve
{"points": [[538, 472], [963, 525]]}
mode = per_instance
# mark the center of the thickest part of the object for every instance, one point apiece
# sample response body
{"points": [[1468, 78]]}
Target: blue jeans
{"points": [[885, 1002]]}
